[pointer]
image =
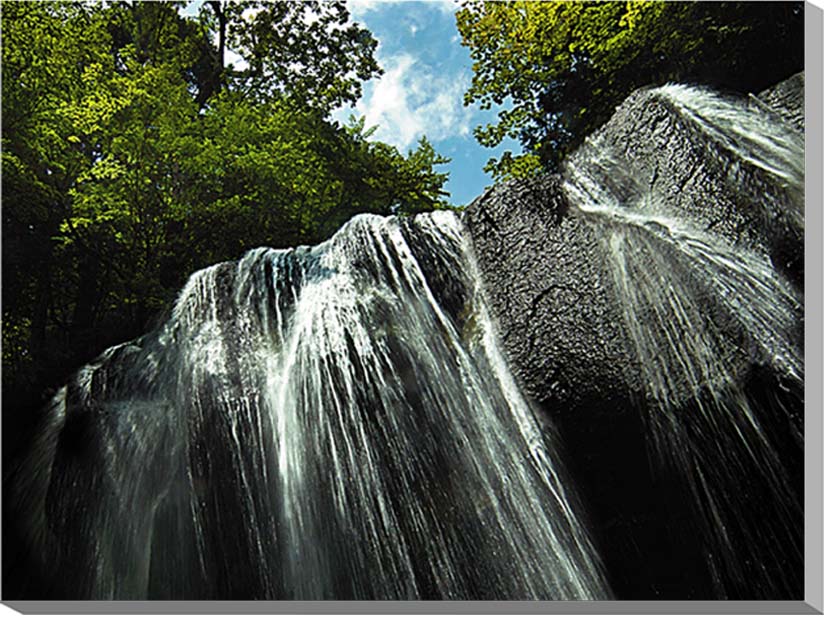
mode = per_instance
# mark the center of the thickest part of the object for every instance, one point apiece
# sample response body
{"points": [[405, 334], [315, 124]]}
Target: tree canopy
{"points": [[134, 153], [558, 69], [308, 51]]}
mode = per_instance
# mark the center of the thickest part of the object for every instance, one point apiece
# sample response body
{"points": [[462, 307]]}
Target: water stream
{"points": [[339, 422], [313, 424], [699, 311]]}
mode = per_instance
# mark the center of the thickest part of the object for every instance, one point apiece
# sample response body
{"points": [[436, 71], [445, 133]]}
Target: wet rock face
{"points": [[658, 153], [541, 267], [625, 291], [543, 261], [787, 99]]}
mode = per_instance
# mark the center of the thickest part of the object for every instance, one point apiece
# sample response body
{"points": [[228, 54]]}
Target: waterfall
{"points": [[698, 312], [313, 423], [451, 406]]}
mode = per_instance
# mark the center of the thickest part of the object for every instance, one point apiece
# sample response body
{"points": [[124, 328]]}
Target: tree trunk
{"points": [[214, 81], [88, 290]]}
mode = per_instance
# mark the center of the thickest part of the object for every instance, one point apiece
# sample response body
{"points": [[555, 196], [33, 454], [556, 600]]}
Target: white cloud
{"points": [[411, 100], [230, 57], [192, 8], [445, 6], [249, 12], [358, 8]]}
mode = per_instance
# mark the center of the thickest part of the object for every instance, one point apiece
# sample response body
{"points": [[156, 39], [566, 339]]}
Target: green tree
{"points": [[308, 51], [52, 53], [123, 205], [279, 175], [560, 68], [131, 157]]}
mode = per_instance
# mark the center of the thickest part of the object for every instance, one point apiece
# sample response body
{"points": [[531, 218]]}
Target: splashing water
{"points": [[314, 423], [698, 312], [754, 135]]}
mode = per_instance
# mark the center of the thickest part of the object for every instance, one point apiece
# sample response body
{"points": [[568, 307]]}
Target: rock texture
{"points": [[541, 263], [654, 151], [549, 264], [787, 99]]}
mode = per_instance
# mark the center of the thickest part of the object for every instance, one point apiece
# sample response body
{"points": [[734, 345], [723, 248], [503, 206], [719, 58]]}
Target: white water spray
{"points": [[335, 432], [699, 311]]}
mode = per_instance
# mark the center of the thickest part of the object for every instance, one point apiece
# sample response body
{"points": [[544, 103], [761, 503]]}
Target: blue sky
{"points": [[426, 72]]}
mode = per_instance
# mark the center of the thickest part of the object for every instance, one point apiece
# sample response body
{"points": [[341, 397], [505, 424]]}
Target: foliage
{"points": [[308, 51], [560, 68], [131, 157]]}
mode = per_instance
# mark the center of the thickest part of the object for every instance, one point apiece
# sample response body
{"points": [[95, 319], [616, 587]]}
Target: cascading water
{"points": [[312, 424], [339, 421], [752, 134], [698, 311]]}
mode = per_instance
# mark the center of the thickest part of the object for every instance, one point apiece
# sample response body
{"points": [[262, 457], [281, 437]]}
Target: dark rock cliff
{"points": [[554, 253], [787, 99], [541, 264]]}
